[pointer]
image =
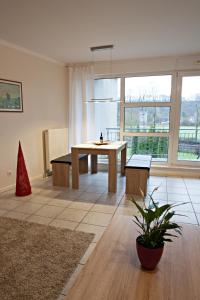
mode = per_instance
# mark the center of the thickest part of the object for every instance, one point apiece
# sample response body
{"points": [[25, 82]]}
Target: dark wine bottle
{"points": [[101, 138]]}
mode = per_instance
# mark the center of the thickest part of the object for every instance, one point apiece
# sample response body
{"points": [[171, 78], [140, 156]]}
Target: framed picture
{"points": [[11, 96]]}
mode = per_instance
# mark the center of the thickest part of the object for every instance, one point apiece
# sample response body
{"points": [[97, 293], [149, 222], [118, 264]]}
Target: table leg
{"points": [[94, 163], [75, 169], [123, 161], [112, 172]]}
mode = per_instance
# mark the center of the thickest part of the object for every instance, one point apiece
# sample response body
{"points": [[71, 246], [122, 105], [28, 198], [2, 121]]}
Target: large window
{"points": [[106, 108], [189, 129], [157, 114], [145, 111]]}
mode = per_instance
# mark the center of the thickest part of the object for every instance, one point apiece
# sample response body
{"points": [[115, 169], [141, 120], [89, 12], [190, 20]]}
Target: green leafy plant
{"points": [[155, 223]]}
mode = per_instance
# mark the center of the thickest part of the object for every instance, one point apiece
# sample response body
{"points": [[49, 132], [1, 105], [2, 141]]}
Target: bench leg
{"points": [[60, 174], [94, 163], [83, 165], [136, 181]]}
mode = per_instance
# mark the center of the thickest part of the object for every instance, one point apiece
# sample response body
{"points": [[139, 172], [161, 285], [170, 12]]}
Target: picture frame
{"points": [[11, 99]]}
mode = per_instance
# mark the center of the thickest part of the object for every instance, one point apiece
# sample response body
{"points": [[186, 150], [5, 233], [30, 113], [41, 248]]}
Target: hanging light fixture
{"points": [[103, 48]]}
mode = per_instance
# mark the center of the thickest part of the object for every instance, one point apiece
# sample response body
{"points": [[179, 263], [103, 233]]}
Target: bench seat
{"points": [[137, 173], [61, 168]]}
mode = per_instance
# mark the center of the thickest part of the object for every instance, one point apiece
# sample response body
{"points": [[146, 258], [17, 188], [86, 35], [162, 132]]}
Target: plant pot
{"points": [[149, 257]]}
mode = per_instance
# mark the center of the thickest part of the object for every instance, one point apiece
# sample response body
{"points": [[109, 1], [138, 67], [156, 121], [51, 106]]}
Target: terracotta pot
{"points": [[149, 257]]}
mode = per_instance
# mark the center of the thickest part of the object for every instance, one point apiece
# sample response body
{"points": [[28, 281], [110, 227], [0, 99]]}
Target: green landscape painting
{"points": [[10, 96]]}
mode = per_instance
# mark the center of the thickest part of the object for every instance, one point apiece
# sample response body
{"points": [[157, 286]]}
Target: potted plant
{"points": [[155, 224]]}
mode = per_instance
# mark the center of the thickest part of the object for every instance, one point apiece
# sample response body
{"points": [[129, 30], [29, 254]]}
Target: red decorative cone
{"points": [[23, 187]]}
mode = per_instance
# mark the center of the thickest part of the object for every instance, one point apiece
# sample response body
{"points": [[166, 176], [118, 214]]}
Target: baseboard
{"points": [[162, 170], [176, 171], [12, 186]]}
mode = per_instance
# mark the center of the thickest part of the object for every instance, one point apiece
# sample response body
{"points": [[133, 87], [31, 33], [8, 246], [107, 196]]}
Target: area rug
{"points": [[37, 260]]}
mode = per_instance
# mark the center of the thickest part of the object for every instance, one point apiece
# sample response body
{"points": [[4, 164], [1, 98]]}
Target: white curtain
{"points": [[81, 86]]}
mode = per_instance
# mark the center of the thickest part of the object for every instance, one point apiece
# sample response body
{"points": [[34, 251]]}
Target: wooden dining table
{"points": [[94, 149]]}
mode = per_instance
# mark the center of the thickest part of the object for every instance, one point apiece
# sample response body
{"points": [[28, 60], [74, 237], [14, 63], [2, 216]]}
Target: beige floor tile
{"points": [[81, 205], [28, 208], [175, 179], [110, 198], [185, 208], [50, 193], [194, 192], [159, 196], [96, 189], [96, 218], [196, 207], [39, 220], [40, 199], [69, 194], [70, 214], [10, 195], [177, 190], [16, 215], [64, 224], [89, 197], [198, 218], [60, 202], [178, 198], [9, 204], [157, 188], [195, 199], [126, 200], [87, 254], [110, 209], [97, 230], [188, 218], [191, 181], [127, 211], [49, 211], [176, 184]]}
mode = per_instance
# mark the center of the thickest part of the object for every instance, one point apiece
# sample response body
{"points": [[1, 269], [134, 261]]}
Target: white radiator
{"points": [[55, 145]]}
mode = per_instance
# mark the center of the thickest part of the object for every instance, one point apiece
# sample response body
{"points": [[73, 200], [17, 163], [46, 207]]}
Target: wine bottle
{"points": [[101, 138]]}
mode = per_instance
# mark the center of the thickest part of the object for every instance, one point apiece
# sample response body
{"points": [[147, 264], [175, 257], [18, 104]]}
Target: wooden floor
{"points": [[113, 271]]}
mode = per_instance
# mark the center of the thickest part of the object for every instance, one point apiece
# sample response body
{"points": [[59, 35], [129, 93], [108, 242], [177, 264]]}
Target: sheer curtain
{"points": [[81, 86]]}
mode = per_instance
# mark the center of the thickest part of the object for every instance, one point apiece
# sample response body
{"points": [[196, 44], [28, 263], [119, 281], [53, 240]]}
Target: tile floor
{"points": [[91, 208]]}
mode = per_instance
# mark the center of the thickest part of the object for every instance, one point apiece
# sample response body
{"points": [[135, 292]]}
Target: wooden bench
{"points": [[61, 167], [137, 173]]}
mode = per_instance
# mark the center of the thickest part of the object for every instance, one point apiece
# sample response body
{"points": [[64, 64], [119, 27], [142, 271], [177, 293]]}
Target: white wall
{"points": [[145, 65], [44, 86]]}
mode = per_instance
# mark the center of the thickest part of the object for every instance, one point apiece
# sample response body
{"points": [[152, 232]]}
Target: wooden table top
{"points": [[110, 146], [113, 271]]}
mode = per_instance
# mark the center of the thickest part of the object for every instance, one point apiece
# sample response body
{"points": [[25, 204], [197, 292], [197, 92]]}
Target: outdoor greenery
{"points": [[155, 223]]}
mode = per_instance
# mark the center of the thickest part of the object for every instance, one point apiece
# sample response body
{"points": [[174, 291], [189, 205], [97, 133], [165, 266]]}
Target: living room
{"points": [[45, 47]]}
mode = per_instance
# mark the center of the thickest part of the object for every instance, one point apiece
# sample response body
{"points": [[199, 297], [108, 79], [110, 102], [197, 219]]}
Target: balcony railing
{"points": [[188, 146]]}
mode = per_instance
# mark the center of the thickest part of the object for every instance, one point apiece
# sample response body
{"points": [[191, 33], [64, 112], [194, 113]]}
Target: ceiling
{"points": [[64, 30]]}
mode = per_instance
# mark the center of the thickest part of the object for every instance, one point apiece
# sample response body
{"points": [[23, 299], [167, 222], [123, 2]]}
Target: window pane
{"points": [[148, 88], [155, 146], [107, 120], [107, 88], [147, 119], [189, 131]]}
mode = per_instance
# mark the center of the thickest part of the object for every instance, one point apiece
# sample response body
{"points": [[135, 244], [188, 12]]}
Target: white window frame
{"points": [[169, 104], [177, 115], [174, 118]]}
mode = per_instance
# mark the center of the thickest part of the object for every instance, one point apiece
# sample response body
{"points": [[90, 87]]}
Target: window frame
{"points": [[124, 104], [175, 109], [177, 116]]}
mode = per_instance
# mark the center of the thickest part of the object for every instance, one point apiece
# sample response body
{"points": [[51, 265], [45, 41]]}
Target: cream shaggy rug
{"points": [[37, 260]]}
